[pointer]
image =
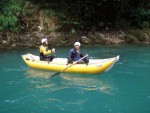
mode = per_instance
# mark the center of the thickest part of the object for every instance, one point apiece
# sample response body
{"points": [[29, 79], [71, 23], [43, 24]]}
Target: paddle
{"points": [[57, 73]]}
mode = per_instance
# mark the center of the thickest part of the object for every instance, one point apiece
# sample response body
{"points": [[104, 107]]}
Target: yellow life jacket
{"points": [[44, 50]]}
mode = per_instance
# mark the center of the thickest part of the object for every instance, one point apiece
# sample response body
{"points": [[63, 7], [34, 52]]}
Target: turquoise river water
{"points": [[123, 89]]}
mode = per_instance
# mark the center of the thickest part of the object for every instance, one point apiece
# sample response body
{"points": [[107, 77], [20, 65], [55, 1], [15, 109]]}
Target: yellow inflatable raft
{"points": [[58, 64]]}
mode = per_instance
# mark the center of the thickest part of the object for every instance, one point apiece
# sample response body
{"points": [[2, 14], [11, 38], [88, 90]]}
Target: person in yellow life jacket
{"points": [[44, 52], [75, 54]]}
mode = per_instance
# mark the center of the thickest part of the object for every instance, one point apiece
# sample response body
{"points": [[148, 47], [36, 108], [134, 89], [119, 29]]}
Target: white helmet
{"points": [[44, 40], [77, 44]]}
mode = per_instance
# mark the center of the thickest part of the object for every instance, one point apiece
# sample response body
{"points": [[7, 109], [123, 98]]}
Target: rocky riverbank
{"points": [[132, 36], [37, 22]]}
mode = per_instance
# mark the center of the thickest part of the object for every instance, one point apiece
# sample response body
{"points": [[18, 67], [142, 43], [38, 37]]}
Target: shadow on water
{"points": [[42, 79]]}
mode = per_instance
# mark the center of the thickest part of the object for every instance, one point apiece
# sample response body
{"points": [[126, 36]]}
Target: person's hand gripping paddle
{"points": [[57, 73]]}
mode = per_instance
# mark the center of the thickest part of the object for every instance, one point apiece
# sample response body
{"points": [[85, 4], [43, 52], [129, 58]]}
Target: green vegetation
{"points": [[78, 14], [8, 15]]}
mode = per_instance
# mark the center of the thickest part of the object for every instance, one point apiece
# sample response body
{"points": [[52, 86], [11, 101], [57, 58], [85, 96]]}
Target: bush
{"points": [[8, 15], [142, 18]]}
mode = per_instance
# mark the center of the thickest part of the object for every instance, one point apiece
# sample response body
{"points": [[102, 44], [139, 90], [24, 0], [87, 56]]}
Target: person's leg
{"points": [[69, 60], [81, 62], [50, 58], [86, 60]]}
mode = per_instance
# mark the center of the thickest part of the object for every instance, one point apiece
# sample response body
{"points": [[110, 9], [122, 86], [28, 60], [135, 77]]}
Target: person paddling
{"points": [[44, 52], [75, 54]]}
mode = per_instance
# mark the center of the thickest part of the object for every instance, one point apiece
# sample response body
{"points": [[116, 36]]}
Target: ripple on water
{"points": [[22, 68], [11, 101], [34, 73]]}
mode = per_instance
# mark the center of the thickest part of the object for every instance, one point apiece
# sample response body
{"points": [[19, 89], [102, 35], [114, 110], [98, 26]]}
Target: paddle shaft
{"points": [[57, 73]]}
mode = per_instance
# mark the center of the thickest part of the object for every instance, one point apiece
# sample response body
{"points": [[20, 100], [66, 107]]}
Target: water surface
{"points": [[123, 89]]}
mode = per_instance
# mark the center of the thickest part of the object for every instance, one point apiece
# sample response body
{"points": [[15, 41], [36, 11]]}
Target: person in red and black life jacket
{"points": [[45, 54], [75, 54]]}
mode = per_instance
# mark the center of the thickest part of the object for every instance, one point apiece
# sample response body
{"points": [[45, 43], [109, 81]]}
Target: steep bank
{"points": [[32, 39], [37, 22]]}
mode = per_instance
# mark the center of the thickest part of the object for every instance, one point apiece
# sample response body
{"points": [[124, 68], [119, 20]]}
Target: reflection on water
{"points": [[42, 79], [88, 83], [34, 73]]}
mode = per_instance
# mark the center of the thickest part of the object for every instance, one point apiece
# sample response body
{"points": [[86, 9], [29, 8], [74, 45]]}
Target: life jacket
{"points": [[42, 49], [75, 55]]}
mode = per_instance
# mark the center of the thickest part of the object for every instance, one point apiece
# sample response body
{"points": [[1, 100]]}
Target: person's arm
{"points": [[81, 54], [44, 51], [69, 56], [53, 50]]}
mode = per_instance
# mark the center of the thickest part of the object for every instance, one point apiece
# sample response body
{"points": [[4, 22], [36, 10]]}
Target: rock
{"points": [[107, 28], [5, 42], [147, 42], [146, 36], [142, 36], [101, 36], [121, 34], [101, 24], [113, 36], [97, 37], [13, 45], [40, 28], [85, 40]]}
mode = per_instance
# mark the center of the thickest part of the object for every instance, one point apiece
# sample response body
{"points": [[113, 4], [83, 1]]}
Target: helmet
{"points": [[77, 44], [44, 40]]}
